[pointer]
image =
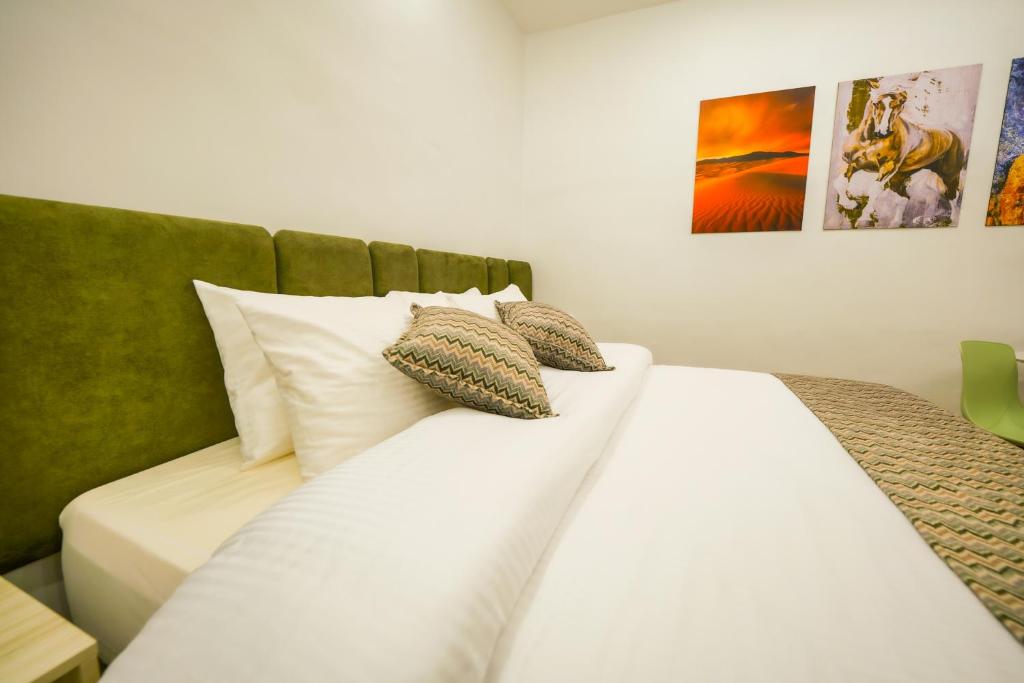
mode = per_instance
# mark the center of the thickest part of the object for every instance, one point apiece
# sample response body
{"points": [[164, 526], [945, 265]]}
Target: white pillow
{"points": [[255, 401], [409, 298], [340, 395], [483, 304]]}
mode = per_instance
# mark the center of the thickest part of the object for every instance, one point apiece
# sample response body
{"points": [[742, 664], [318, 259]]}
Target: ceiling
{"points": [[537, 15]]}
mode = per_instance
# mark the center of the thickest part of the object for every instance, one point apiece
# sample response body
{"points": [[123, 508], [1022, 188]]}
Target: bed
{"points": [[640, 536], [672, 523]]}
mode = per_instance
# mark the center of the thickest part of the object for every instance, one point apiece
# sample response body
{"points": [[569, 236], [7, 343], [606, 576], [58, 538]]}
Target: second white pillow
{"points": [[341, 397], [255, 401], [483, 304]]}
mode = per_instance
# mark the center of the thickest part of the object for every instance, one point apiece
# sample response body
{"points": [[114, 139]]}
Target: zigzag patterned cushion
{"points": [[557, 338], [471, 360]]}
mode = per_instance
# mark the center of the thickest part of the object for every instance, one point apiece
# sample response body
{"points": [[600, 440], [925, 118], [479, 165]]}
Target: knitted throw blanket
{"points": [[961, 487]]}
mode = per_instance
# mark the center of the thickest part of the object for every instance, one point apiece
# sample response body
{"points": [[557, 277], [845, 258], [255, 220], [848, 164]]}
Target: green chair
{"points": [[989, 397]]}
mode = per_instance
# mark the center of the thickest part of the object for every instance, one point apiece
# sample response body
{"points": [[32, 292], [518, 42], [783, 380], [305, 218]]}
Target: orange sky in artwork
{"points": [[777, 121]]}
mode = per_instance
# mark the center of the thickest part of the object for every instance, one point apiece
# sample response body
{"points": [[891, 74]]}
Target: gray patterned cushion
{"points": [[471, 360], [557, 338]]}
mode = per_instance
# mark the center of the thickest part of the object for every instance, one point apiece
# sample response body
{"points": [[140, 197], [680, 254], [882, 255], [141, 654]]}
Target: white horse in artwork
{"points": [[885, 152], [887, 143]]}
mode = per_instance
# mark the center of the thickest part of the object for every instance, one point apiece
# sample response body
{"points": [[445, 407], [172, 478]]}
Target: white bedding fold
{"points": [[401, 564]]}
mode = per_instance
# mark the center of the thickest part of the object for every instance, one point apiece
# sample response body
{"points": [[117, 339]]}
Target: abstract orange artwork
{"points": [[752, 161]]}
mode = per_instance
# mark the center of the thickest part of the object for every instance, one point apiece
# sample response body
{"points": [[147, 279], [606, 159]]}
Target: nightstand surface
{"points": [[38, 646]]}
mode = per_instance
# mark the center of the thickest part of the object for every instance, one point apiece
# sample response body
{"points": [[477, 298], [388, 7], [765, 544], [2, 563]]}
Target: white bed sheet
{"points": [[727, 536], [128, 544]]}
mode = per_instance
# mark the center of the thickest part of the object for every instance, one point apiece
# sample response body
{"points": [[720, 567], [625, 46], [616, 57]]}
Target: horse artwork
{"points": [[900, 149], [1006, 202]]}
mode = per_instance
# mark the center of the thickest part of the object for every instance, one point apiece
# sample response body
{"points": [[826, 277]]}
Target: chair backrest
{"points": [[989, 381]]}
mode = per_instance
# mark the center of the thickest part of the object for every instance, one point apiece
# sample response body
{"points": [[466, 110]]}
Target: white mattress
{"points": [[128, 544]]}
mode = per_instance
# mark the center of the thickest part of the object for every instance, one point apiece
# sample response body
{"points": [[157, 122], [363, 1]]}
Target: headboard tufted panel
{"points": [[444, 271], [107, 363], [497, 274], [521, 274], [311, 264], [394, 267]]}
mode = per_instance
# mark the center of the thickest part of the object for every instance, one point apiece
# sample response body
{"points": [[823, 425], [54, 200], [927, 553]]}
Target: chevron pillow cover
{"points": [[471, 360], [558, 339]]}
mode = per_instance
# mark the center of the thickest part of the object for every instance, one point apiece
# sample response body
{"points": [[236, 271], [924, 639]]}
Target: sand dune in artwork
{"points": [[750, 196]]}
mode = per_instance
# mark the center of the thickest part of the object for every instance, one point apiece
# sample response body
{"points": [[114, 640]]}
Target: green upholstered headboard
{"points": [[107, 362]]}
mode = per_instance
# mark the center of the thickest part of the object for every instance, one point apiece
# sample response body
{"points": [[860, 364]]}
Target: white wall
{"points": [[610, 135], [382, 119], [404, 121]]}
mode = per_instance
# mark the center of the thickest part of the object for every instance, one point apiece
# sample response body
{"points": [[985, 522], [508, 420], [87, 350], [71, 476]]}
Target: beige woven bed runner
{"points": [[961, 487]]}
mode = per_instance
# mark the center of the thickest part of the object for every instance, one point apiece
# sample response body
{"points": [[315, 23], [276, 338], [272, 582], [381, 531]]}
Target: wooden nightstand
{"points": [[38, 646]]}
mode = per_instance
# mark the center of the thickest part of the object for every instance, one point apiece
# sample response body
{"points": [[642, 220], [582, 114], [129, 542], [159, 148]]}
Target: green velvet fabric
{"points": [[520, 273], [497, 274], [107, 362], [312, 264], [394, 268], [444, 271]]}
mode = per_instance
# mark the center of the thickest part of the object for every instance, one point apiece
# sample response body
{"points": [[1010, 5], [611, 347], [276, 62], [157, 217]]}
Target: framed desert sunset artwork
{"points": [[752, 161], [1006, 202], [900, 148]]}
